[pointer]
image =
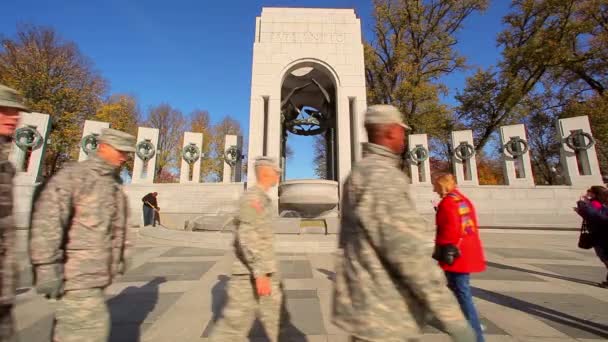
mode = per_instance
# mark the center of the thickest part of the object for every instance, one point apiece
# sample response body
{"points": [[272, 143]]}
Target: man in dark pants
{"points": [[150, 207]]}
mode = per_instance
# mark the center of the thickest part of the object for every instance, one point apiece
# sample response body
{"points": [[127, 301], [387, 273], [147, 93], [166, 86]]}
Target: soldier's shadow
{"points": [[289, 332], [130, 308]]}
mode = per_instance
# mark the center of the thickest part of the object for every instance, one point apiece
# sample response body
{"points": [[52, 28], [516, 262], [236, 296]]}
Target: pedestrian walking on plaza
{"points": [[458, 247], [10, 106], [386, 284], [77, 239], [150, 209], [593, 208], [254, 289]]}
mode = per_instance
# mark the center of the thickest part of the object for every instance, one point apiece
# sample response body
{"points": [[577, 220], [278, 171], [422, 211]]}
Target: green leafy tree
{"points": [[556, 46], [412, 48]]}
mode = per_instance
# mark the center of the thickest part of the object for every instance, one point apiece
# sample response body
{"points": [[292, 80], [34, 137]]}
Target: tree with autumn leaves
{"points": [[554, 64], [56, 78]]}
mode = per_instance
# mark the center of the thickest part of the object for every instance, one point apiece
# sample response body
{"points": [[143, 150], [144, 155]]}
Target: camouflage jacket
{"points": [[386, 284], [254, 237], [80, 220], [8, 265]]}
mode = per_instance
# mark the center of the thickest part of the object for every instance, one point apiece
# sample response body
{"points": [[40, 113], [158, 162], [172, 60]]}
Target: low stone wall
{"points": [[179, 203], [497, 206], [510, 206]]}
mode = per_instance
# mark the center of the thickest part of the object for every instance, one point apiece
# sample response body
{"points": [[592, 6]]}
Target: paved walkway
{"points": [[538, 287]]}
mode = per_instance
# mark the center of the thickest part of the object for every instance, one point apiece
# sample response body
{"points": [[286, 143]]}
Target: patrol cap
{"points": [[119, 140], [11, 98], [267, 161], [384, 114]]}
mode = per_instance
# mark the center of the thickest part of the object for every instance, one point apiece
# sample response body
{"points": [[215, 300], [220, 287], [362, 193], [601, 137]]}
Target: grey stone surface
{"points": [[283, 225], [192, 251], [332, 224], [530, 253], [504, 273], [490, 328], [306, 315], [40, 331], [133, 311], [301, 294], [295, 269], [591, 274], [315, 230], [514, 303], [168, 270], [576, 315]]}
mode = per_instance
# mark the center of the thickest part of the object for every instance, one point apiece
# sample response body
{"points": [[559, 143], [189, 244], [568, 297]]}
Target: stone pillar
{"points": [[464, 170], [579, 166], [517, 169], [195, 139], [420, 171], [233, 173], [144, 172], [32, 172], [90, 128]]}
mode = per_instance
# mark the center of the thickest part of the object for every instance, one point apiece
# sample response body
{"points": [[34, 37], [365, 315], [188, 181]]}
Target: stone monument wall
{"points": [[179, 203]]}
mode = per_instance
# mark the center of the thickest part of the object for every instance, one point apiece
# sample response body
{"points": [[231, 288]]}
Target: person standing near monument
{"points": [[386, 283], [254, 288], [150, 209], [458, 246], [10, 107], [77, 239]]}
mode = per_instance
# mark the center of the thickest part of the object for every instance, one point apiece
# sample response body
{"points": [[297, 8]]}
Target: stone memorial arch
{"points": [[308, 79]]}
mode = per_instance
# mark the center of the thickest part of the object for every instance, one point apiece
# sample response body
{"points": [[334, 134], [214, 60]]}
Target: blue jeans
{"points": [[459, 284]]}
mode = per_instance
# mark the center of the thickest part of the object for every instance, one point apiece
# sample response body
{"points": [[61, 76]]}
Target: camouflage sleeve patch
{"points": [[257, 205]]}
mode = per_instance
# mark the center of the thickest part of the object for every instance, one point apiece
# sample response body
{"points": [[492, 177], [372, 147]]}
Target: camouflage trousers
{"points": [[82, 315], [243, 306], [7, 325]]}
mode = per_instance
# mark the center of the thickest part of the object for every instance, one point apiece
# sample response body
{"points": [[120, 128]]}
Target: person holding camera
{"points": [[458, 247], [593, 208]]}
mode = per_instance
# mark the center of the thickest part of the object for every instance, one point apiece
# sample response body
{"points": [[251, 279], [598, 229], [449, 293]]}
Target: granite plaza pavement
{"points": [[538, 287]]}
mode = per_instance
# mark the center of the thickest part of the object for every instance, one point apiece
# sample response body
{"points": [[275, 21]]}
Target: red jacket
{"points": [[456, 218]]}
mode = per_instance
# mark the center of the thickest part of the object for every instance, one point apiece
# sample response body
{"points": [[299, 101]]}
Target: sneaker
{"points": [[483, 327], [603, 284]]}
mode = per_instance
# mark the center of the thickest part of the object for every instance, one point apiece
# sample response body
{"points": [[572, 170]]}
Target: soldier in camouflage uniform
{"points": [[77, 239], [254, 289], [10, 106], [386, 283]]}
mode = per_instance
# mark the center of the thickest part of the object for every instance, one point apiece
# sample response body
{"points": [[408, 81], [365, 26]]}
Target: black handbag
{"points": [[446, 254], [585, 239]]}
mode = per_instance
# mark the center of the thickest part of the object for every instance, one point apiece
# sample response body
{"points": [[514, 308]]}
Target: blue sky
{"points": [[197, 53]]}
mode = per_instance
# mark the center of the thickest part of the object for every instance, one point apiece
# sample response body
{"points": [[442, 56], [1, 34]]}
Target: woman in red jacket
{"points": [[457, 231]]}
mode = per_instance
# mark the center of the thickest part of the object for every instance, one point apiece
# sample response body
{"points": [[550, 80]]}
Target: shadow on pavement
{"points": [[289, 332], [544, 274], [542, 312], [130, 308], [329, 274]]}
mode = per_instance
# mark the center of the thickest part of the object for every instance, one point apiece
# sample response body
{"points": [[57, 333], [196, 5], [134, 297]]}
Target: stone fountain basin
{"points": [[308, 197]]}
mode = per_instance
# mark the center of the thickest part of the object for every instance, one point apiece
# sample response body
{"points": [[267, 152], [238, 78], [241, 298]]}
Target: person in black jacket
{"points": [[150, 208], [597, 222]]}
